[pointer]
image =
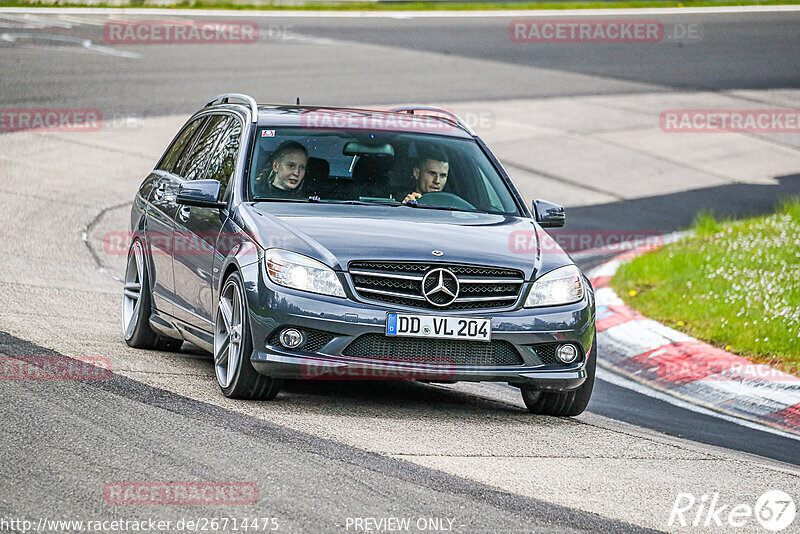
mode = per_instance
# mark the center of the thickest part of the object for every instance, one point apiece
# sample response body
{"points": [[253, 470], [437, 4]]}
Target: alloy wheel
{"points": [[228, 328], [132, 290]]}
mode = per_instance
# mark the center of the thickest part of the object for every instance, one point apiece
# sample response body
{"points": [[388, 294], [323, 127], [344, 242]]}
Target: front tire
{"points": [[563, 403], [137, 306], [233, 345]]}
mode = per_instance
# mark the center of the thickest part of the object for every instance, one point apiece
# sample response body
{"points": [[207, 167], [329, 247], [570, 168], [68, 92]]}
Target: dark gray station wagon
{"points": [[330, 243]]}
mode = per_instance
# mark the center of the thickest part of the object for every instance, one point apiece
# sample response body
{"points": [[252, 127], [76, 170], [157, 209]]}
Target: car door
{"points": [[160, 216], [196, 228]]}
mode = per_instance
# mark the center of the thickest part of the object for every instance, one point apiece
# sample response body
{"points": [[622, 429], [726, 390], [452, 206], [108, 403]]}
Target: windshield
{"points": [[390, 168]]}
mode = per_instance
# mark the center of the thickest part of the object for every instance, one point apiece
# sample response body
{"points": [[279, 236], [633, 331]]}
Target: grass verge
{"points": [[399, 5], [734, 284]]}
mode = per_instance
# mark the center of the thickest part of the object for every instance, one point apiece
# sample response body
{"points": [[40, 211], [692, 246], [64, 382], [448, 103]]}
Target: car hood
{"points": [[339, 234]]}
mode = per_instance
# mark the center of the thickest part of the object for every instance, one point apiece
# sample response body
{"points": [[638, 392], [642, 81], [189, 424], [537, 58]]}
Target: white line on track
{"points": [[63, 42], [617, 380], [557, 13], [37, 22]]}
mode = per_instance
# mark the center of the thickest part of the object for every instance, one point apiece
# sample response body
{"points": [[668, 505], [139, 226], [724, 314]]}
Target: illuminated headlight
{"points": [[561, 286], [290, 269]]}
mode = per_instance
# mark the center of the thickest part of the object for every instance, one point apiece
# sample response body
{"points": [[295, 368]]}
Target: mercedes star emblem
{"points": [[440, 287]]}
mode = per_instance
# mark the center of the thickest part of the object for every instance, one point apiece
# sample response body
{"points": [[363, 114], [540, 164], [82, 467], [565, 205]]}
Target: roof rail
{"points": [[249, 99], [412, 108]]}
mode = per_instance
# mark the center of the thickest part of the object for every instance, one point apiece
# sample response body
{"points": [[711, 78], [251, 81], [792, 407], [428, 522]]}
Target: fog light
{"points": [[292, 338], [567, 353]]}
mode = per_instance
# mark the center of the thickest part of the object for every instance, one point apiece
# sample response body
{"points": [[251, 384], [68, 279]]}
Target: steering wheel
{"points": [[442, 199]]}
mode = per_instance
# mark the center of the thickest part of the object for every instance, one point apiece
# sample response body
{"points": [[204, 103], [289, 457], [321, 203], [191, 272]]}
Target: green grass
{"points": [[734, 284], [400, 5]]}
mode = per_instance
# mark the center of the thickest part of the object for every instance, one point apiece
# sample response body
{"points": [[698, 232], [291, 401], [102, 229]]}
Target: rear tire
{"points": [[563, 403], [137, 306], [233, 346]]}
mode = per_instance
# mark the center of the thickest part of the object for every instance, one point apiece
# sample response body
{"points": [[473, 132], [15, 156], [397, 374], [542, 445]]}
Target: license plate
{"points": [[432, 326]]}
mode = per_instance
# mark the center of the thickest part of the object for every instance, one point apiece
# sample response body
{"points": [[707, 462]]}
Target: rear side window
{"points": [[223, 161], [180, 163], [178, 146], [200, 152]]}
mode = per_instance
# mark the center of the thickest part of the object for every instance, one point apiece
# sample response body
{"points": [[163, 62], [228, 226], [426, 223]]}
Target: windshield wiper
{"points": [[443, 208], [277, 199], [315, 199], [363, 202]]}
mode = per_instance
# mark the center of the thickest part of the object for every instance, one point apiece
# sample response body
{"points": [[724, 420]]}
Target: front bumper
{"points": [[273, 308]]}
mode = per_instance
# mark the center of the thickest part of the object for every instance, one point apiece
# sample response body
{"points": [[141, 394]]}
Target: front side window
{"points": [[358, 166]]}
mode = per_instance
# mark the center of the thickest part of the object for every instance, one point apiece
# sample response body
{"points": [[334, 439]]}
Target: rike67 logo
{"points": [[775, 510]]}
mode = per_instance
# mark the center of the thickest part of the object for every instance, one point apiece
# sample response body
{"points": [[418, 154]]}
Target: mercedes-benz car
{"points": [[301, 242]]}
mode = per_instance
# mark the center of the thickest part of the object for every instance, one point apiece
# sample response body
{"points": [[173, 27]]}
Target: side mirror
{"points": [[548, 215], [201, 193]]}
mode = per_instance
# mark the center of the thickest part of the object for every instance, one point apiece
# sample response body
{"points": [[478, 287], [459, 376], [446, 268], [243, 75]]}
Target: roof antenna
{"points": [[298, 100]]}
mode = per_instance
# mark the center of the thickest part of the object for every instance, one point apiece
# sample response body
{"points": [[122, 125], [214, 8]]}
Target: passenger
{"points": [[430, 174], [283, 176]]}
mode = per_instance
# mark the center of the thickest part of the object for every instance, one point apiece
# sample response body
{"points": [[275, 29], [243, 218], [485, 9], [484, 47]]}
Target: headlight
{"points": [[561, 286], [290, 269]]}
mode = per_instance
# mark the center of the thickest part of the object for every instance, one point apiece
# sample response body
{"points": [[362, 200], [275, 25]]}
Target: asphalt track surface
{"points": [[317, 483], [743, 51], [155, 430]]}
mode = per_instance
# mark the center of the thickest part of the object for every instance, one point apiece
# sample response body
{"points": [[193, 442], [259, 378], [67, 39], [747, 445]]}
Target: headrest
{"points": [[317, 168], [372, 167]]}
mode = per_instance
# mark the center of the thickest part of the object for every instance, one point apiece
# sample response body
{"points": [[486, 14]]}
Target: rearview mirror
{"points": [[200, 193], [548, 215], [354, 148]]}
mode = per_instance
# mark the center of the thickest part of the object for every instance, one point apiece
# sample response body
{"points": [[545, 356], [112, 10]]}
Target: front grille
{"points": [[401, 283], [547, 353], [315, 339], [434, 351]]}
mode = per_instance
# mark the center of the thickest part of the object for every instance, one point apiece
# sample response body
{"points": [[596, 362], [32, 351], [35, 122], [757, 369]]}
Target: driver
{"points": [[284, 175], [430, 174]]}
